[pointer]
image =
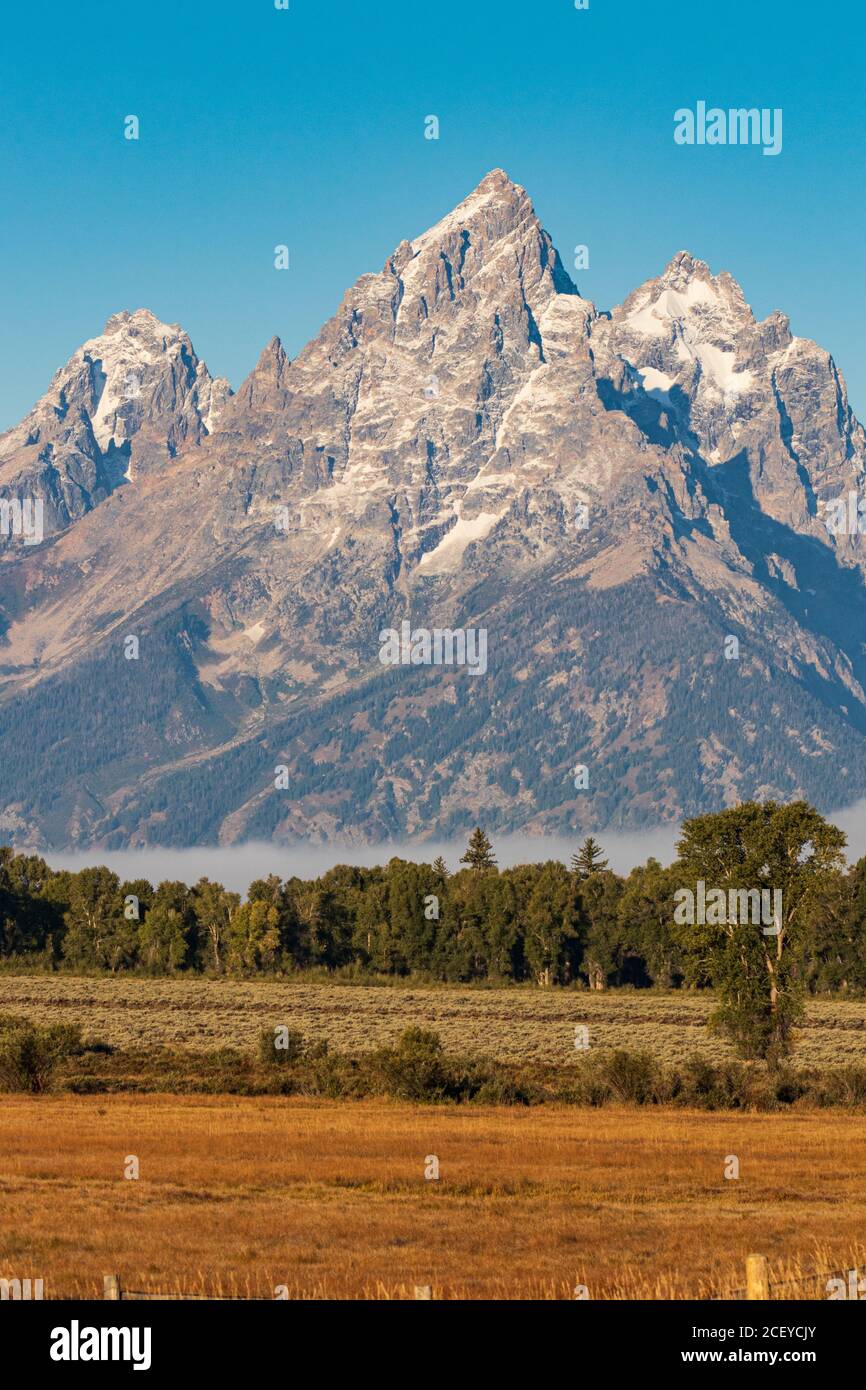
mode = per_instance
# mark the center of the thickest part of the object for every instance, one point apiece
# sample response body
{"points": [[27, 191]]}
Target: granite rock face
{"points": [[633, 506], [122, 404]]}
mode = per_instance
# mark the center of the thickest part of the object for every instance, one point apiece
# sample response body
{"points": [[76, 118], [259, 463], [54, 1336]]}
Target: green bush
{"points": [[706, 1086], [415, 1069], [502, 1090], [632, 1078], [29, 1055], [335, 1078], [291, 1047], [841, 1086]]}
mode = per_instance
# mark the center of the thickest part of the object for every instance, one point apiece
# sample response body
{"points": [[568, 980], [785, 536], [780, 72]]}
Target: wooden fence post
{"points": [[757, 1277], [111, 1286], [423, 1291]]}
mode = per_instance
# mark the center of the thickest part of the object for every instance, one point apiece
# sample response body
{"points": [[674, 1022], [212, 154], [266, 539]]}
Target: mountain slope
{"points": [[466, 443]]}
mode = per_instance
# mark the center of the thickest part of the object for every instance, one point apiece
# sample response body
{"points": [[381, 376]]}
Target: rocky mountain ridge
{"points": [[467, 442]]}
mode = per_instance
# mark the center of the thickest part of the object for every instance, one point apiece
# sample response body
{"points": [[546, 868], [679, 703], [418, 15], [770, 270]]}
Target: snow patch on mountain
{"points": [[718, 367], [447, 555], [654, 317]]}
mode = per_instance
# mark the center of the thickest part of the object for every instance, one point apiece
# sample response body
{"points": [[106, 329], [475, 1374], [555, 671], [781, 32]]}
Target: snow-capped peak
{"points": [[687, 328], [127, 359], [125, 401]]}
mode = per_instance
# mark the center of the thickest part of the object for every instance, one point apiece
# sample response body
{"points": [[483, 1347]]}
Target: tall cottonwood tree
{"points": [[758, 969], [97, 932], [253, 937], [551, 925], [213, 910], [30, 918], [600, 893], [646, 913], [167, 928]]}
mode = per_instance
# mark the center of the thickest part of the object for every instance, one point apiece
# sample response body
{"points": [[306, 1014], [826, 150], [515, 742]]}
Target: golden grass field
{"points": [[329, 1198], [523, 1024], [239, 1195]]}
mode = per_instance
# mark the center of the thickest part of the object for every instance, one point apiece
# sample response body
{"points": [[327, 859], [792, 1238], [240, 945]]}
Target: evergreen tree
{"points": [[479, 852], [589, 859]]}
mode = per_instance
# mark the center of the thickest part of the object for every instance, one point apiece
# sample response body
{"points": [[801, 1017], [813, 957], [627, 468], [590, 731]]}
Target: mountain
{"points": [[124, 403], [467, 443]]}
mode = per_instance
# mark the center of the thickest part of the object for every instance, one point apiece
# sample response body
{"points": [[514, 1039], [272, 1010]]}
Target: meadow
{"points": [[241, 1196], [520, 1024]]}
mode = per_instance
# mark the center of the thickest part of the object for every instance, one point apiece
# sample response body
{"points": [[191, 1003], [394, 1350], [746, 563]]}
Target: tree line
{"points": [[548, 923]]}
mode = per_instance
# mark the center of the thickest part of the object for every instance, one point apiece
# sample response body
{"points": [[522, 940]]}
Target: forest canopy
{"points": [[547, 923]]}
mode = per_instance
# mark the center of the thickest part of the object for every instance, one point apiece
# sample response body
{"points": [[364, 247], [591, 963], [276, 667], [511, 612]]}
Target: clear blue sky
{"points": [[305, 127]]}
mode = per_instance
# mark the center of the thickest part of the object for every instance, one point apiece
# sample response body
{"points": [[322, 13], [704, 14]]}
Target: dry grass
{"points": [[242, 1195], [517, 1025]]}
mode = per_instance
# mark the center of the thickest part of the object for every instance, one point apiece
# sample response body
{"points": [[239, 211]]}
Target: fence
{"points": [[758, 1286], [113, 1290]]}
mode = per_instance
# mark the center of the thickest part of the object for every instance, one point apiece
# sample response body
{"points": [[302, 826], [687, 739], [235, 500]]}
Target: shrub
{"points": [[709, 1087], [631, 1077], [336, 1077], [502, 1090], [787, 1086], [416, 1069], [278, 1049], [841, 1086], [29, 1055]]}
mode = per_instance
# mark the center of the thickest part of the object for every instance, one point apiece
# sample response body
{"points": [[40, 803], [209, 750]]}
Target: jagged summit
{"points": [[496, 191], [139, 319], [264, 388], [497, 179], [496, 216], [684, 265]]}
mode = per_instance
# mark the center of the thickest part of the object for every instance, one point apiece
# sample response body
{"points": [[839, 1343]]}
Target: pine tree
{"points": [[479, 852], [589, 859], [441, 867]]}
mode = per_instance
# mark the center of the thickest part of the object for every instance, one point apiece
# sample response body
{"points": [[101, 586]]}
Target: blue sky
{"points": [[305, 127]]}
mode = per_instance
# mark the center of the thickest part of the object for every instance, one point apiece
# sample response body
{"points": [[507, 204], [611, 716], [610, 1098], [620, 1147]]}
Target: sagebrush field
{"points": [[518, 1024]]}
